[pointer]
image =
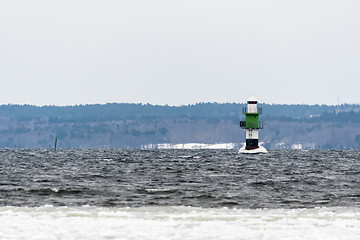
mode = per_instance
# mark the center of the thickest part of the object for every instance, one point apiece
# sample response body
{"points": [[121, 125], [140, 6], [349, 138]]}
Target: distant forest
{"points": [[126, 125], [112, 111]]}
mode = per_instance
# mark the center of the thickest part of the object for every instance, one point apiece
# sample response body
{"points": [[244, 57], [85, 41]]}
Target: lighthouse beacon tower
{"points": [[252, 126]]}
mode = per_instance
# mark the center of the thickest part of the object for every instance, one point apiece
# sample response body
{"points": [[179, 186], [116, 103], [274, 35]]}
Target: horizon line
{"points": [[167, 105]]}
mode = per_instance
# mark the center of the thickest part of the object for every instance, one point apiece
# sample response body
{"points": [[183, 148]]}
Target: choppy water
{"points": [[179, 194]]}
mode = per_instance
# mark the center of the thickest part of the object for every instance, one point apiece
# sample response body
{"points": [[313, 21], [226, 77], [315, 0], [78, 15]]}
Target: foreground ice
{"points": [[178, 223]]}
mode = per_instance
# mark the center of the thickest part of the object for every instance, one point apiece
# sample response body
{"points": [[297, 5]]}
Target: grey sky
{"points": [[179, 52]]}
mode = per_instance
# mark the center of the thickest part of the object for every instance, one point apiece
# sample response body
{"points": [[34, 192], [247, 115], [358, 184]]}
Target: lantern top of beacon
{"points": [[252, 100]]}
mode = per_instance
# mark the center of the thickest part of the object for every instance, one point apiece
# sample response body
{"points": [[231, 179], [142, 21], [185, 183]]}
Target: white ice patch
{"points": [[178, 223], [190, 146], [260, 149]]}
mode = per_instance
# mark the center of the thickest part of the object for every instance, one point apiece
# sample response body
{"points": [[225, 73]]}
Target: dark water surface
{"points": [[201, 178]]}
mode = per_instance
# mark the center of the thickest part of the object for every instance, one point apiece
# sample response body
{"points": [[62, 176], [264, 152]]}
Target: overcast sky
{"points": [[179, 52]]}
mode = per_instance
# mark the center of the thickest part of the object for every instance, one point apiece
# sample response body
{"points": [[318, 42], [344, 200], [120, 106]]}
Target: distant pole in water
{"points": [[55, 143]]}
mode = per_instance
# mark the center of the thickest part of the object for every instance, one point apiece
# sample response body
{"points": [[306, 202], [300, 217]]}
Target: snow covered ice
{"points": [[177, 223]]}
